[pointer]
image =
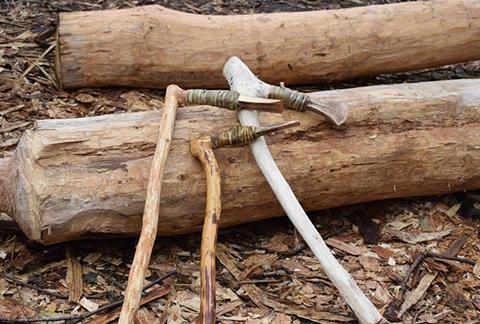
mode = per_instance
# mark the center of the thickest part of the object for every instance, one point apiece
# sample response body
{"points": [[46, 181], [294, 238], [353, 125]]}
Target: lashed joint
{"points": [[219, 98], [291, 98]]}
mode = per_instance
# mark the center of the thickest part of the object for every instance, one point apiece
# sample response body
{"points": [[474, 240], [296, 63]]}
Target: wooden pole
{"points": [[203, 151], [153, 46], [86, 177], [152, 209], [202, 148]]}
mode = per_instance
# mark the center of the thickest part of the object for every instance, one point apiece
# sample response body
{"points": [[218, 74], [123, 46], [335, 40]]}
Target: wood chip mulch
{"points": [[418, 260]]}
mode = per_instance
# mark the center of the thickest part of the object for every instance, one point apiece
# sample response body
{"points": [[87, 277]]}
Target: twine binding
{"points": [[236, 135], [291, 98], [218, 98]]}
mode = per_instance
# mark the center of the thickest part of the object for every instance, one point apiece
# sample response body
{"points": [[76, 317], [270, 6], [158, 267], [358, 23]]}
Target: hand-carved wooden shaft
{"points": [[241, 79], [202, 149], [152, 209]]}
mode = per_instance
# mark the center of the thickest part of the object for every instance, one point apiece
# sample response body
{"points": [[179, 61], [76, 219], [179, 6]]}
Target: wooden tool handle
{"points": [[203, 151], [152, 209]]}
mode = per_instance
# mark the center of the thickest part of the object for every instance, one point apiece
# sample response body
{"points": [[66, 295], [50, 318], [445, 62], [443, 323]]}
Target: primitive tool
{"points": [[174, 97], [334, 112], [202, 148], [241, 79]]}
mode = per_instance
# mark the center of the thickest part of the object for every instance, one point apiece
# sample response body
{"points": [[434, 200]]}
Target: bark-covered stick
{"points": [[202, 148], [241, 79]]}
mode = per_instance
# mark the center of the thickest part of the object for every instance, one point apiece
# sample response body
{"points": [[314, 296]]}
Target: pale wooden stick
{"points": [[242, 80], [152, 209]]}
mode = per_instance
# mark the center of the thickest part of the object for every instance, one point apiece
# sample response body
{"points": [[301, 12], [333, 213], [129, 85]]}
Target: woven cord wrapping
{"points": [[236, 135], [291, 98], [218, 98]]}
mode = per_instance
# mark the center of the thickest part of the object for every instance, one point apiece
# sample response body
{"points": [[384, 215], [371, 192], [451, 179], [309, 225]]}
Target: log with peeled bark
{"points": [[153, 46], [86, 177]]}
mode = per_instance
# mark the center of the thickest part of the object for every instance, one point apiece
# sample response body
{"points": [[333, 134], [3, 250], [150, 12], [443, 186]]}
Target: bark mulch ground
{"points": [[394, 249]]}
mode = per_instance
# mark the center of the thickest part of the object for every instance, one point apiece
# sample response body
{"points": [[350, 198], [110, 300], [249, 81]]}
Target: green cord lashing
{"points": [[236, 135], [291, 98], [218, 98]]}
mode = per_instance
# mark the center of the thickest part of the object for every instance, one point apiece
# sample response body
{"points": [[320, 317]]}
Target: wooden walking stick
{"points": [[202, 148], [152, 208], [173, 98], [241, 79]]}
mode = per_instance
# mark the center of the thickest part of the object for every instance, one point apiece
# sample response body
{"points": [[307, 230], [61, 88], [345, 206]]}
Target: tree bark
{"points": [[153, 46], [87, 177]]}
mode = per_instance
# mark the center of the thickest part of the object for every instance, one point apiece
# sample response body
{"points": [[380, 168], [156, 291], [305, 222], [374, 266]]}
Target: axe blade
{"points": [[335, 112]]}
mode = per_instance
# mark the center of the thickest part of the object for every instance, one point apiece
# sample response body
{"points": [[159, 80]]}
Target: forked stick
{"points": [[173, 98], [242, 80], [202, 148]]}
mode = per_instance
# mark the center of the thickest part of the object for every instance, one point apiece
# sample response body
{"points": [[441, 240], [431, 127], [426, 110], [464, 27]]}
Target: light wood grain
{"points": [[202, 150], [153, 46], [87, 177], [152, 209]]}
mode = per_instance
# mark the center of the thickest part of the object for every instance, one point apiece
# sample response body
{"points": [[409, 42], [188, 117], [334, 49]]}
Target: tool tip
{"points": [[266, 104], [335, 112], [273, 128]]}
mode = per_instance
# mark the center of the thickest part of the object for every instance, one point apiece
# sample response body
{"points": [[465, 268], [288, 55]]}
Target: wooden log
{"points": [[153, 46], [87, 177]]}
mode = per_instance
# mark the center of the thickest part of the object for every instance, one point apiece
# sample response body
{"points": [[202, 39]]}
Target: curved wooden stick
{"points": [[152, 209], [203, 151], [242, 80]]}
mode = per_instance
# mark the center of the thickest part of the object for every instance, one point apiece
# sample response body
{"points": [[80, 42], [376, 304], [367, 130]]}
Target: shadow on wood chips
{"points": [[376, 242]]}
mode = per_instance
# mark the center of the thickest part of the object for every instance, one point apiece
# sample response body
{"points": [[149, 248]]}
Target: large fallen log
{"points": [[153, 46], [84, 177]]}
